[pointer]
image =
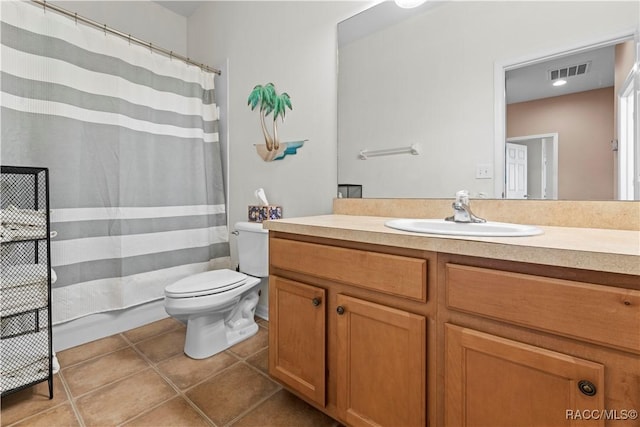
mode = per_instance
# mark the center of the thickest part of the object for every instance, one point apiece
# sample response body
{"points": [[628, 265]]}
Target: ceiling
{"points": [[181, 7], [533, 82], [375, 18]]}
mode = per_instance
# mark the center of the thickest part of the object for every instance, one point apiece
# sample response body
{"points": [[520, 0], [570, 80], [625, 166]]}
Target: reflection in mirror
{"points": [[428, 80], [560, 119]]}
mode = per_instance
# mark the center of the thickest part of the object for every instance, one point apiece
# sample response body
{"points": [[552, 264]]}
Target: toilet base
{"points": [[204, 340], [211, 333], [236, 336]]}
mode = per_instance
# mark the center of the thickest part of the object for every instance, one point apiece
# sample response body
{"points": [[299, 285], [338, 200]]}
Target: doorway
{"points": [[531, 167], [628, 142]]}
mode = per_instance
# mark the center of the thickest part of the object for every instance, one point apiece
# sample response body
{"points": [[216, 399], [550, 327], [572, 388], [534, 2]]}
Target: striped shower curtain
{"points": [[130, 138]]}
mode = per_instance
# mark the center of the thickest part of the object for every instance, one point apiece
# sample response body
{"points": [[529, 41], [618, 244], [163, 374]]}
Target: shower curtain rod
{"points": [[131, 39]]}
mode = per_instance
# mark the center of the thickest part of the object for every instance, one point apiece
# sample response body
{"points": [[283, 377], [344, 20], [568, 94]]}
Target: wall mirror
{"points": [[428, 98]]}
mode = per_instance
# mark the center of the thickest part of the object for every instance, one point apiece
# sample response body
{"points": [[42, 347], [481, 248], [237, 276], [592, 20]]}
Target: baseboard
{"points": [[262, 311], [96, 326]]}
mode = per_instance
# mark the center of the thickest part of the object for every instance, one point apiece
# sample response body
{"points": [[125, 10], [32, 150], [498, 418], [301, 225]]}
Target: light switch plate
{"points": [[484, 171]]}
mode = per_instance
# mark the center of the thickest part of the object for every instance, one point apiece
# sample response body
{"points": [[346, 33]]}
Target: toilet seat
{"points": [[206, 283]]}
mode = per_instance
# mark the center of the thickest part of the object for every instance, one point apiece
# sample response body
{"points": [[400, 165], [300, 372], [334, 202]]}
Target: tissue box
{"points": [[263, 213]]}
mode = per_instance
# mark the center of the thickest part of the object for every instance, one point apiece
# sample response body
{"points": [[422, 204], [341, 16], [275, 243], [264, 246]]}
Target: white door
{"points": [[542, 165], [516, 168]]}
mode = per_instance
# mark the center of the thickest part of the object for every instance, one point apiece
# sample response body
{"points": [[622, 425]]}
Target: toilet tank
{"points": [[253, 248]]}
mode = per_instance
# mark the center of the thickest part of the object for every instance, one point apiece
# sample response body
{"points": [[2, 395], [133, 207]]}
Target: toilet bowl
{"points": [[219, 305]]}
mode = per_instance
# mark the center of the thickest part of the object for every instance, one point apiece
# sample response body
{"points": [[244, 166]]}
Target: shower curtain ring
{"points": [[150, 48], [129, 39], [76, 18], [105, 29], [44, 7]]}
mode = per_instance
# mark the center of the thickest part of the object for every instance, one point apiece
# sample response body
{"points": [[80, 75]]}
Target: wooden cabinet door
{"points": [[381, 364], [492, 381], [297, 323]]}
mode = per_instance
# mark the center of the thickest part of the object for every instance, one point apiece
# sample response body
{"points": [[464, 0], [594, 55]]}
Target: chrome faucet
{"points": [[462, 210]]}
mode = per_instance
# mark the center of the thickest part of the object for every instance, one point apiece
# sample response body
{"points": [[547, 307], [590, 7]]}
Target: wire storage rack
{"points": [[25, 279]]}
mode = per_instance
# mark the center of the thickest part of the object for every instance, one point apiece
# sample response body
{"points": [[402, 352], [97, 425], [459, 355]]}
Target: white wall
{"points": [[293, 45], [430, 80], [145, 20]]}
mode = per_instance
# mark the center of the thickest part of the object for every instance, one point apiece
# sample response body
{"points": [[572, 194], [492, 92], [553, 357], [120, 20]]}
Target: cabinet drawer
{"points": [[391, 274], [594, 313]]}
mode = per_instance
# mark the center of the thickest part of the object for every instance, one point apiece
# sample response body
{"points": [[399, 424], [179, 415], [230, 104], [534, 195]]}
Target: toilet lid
{"points": [[209, 282]]}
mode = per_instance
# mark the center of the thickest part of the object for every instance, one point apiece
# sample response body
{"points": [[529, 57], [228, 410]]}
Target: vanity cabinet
{"points": [[377, 335], [348, 330], [524, 345]]}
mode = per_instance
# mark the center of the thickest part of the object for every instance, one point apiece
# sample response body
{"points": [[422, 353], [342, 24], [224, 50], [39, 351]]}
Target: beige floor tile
{"points": [[163, 346], [60, 416], [252, 345], [113, 384], [31, 401], [175, 412], [152, 329], [184, 371], [229, 394], [260, 360], [284, 409], [89, 350], [87, 376], [123, 400]]}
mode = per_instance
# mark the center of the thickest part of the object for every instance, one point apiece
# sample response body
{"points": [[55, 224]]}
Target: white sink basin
{"points": [[485, 229]]}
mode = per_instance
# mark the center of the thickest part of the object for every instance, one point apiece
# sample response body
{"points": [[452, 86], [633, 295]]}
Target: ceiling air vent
{"points": [[570, 71]]}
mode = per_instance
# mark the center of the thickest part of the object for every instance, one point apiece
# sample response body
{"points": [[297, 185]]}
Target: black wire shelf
{"points": [[25, 279]]}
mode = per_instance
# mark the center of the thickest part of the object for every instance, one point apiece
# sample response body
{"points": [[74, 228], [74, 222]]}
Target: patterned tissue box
{"points": [[263, 213]]}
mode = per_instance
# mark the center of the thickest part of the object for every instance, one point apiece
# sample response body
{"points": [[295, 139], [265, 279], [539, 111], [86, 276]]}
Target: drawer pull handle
{"points": [[316, 301], [587, 388], [340, 310]]}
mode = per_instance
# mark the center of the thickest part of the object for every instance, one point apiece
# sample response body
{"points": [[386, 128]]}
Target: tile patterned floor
{"points": [[142, 378]]}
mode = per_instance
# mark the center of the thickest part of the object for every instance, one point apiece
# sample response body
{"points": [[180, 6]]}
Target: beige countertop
{"points": [[615, 251]]}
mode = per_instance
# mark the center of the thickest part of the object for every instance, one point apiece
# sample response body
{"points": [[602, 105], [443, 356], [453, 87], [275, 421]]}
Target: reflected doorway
{"points": [[531, 167], [628, 144]]}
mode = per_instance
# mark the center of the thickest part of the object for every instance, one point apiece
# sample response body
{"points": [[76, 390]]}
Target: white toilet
{"points": [[219, 305]]}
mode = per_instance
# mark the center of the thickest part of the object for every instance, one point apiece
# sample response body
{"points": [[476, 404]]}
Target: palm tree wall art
{"points": [[266, 99]]}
